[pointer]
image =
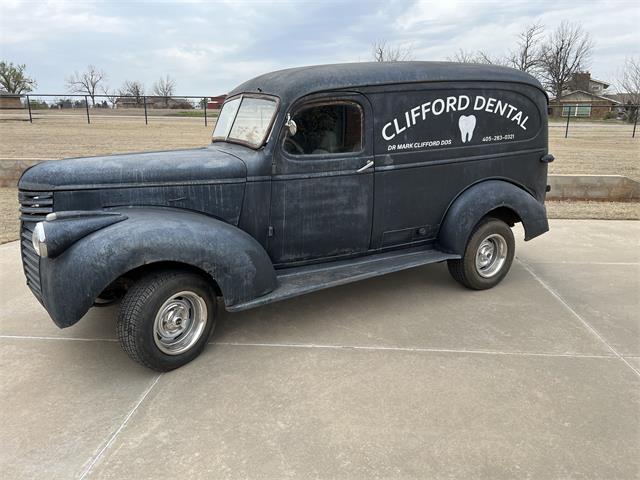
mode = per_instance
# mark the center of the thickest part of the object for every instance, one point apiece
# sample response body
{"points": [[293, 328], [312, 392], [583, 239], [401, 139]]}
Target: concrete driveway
{"points": [[402, 376]]}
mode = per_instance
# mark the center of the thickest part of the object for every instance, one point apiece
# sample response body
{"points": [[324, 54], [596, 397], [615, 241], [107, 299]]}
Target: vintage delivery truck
{"points": [[315, 177]]}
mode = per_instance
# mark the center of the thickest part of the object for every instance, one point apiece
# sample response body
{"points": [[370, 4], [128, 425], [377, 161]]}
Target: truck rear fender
{"points": [[501, 198]]}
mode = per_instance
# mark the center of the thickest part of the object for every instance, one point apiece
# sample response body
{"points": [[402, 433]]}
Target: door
{"points": [[322, 197], [434, 141]]}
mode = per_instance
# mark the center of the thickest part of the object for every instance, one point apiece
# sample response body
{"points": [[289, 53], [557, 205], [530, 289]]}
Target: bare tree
{"points": [[86, 82], [480, 56], [382, 52], [13, 78], [463, 56], [483, 57], [629, 85], [165, 88], [567, 51], [528, 55], [629, 81], [112, 96], [133, 88]]}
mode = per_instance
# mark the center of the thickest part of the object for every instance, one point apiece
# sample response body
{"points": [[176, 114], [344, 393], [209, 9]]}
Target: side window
{"points": [[326, 128]]}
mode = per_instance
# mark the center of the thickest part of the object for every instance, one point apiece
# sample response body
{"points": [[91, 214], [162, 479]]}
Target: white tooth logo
{"points": [[467, 124]]}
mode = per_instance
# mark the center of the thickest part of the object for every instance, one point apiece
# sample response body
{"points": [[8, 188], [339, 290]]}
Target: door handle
{"points": [[366, 167]]}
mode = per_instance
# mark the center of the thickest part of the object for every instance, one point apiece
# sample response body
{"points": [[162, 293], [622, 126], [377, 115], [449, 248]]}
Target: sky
{"points": [[208, 47]]}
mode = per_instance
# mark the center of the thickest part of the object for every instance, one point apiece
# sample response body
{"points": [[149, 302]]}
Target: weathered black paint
{"points": [[69, 227], [479, 200], [294, 83], [210, 165], [250, 218], [72, 280]]}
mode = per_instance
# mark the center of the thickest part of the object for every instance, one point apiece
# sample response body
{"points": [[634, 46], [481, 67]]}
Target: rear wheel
{"points": [[487, 257], [166, 318]]}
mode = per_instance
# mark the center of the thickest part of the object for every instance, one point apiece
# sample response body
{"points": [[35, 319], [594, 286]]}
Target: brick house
{"points": [[584, 97], [582, 104], [583, 81], [153, 102], [10, 100], [215, 103]]}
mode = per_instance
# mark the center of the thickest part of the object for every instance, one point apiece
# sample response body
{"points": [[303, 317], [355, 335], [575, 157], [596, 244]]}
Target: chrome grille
{"points": [[34, 207]]}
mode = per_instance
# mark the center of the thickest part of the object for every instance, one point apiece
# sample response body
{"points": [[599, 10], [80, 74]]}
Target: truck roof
{"points": [[292, 83]]}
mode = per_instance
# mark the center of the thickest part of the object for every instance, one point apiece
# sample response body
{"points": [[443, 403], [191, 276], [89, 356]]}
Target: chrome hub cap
{"points": [[491, 255], [180, 322]]}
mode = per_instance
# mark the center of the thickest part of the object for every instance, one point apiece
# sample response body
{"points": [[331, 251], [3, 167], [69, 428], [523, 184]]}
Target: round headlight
{"points": [[39, 240]]}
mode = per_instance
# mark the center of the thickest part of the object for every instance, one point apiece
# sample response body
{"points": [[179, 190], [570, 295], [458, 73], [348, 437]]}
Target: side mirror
{"points": [[291, 125]]}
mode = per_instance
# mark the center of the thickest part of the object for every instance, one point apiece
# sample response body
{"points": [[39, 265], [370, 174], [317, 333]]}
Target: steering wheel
{"points": [[295, 145]]}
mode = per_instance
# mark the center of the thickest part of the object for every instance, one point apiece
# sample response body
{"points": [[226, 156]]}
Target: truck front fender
{"points": [[74, 279], [477, 201]]}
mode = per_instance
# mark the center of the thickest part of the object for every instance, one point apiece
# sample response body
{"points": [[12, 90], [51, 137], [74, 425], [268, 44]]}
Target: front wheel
{"points": [[487, 257], [166, 318]]}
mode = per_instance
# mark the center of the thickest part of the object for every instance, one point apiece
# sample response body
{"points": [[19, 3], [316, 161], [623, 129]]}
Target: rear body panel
{"points": [[433, 141]]}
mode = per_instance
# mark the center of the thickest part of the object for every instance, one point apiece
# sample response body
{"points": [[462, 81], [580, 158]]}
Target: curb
{"points": [[611, 188]]}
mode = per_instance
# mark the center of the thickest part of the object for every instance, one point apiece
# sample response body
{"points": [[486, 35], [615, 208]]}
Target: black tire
{"points": [[142, 303], [466, 272]]}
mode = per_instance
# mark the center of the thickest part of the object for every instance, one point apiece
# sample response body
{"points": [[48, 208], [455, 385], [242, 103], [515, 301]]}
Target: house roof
{"points": [[293, 83], [621, 97], [589, 94], [600, 82]]}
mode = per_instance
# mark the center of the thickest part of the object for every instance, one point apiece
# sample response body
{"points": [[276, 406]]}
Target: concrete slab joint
{"points": [[402, 376]]}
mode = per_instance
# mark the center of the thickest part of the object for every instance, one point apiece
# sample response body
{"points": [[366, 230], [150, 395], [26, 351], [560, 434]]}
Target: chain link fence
{"points": [[582, 118], [34, 107], [572, 118]]}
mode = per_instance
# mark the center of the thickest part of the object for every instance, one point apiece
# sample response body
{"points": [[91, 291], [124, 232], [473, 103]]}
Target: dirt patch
{"points": [[594, 210], [591, 149], [9, 214], [595, 149], [64, 136]]}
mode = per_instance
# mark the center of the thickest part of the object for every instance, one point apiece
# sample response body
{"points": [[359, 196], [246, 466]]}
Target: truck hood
{"points": [[174, 167]]}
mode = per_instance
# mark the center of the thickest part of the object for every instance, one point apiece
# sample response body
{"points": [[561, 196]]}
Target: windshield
{"points": [[245, 120]]}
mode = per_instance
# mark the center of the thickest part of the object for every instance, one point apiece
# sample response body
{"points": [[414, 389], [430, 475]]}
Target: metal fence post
{"points": [[205, 111], [566, 131], [86, 105], [31, 118], [635, 123], [144, 99]]}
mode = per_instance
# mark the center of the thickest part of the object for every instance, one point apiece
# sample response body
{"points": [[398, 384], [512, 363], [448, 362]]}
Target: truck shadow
{"points": [[351, 306]]}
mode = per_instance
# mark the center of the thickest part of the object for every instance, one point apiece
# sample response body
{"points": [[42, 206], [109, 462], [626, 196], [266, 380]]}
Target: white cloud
{"points": [[24, 22], [213, 46]]}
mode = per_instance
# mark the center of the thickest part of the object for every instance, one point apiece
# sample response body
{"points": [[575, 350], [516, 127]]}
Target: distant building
{"points": [[153, 102], [583, 81], [580, 103], [623, 98], [10, 100], [584, 97], [215, 103], [628, 104]]}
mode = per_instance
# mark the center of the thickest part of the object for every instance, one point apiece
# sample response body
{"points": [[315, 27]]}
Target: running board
{"points": [[311, 278]]}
